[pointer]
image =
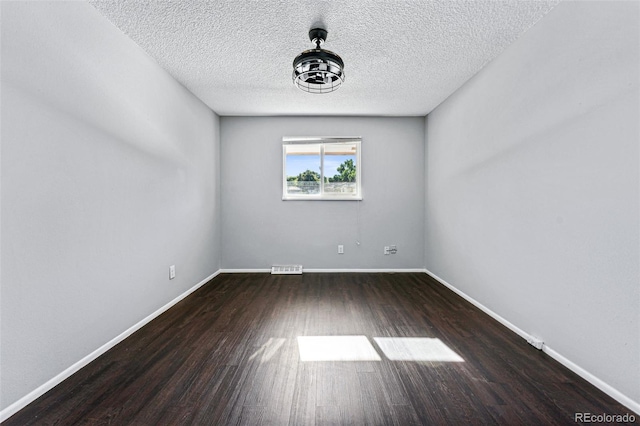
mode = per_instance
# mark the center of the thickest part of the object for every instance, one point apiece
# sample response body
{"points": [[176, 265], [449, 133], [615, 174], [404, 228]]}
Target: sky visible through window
{"points": [[297, 164]]}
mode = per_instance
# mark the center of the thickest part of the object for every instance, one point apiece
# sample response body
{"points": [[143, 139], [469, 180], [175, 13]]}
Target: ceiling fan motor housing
{"points": [[318, 70]]}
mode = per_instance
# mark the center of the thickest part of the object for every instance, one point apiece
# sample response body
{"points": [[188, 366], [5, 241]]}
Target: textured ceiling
{"points": [[401, 57]]}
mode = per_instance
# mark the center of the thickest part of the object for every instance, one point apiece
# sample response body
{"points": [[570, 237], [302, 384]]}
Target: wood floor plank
{"points": [[303, 404], [228, 354], [376, 404], [328, 415], [392, 387]]}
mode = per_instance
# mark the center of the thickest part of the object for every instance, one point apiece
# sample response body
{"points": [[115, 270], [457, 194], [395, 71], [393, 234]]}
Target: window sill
{"points": [[319, 198]]}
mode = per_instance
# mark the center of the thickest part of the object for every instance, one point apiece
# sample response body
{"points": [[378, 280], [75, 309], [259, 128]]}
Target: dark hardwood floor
{"points": [[228, 354]]}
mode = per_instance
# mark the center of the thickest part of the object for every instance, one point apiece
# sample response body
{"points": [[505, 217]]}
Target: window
{"points": [[321, 168]]}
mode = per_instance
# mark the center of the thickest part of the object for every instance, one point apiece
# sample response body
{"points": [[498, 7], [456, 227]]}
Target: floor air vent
{"points": [[286, 269]]}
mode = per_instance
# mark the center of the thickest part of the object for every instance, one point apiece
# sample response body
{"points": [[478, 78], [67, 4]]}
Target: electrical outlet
{"points": [[172, 272], [340, 249], [386, 250]]}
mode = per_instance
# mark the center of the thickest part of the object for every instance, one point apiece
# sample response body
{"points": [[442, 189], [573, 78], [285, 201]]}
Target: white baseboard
{"points": [[320, 270], [480, 306], [45, 387], [384, 271], [600, 384]]}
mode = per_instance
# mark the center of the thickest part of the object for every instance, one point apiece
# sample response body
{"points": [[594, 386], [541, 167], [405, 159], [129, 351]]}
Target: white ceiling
{"points": [[401, 58]]}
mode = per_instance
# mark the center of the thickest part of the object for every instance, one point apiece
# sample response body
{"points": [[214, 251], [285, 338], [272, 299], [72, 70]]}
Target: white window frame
{"points": [[322, 141]]}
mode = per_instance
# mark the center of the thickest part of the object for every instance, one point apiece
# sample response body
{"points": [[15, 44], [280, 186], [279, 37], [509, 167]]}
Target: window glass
{"points": [[302, 172], [321, 169], [340, 166]]}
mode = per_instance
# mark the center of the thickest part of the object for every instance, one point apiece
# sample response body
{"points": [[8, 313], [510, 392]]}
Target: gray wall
{"points": [[260, 229], [110, 173], [532, 187]]}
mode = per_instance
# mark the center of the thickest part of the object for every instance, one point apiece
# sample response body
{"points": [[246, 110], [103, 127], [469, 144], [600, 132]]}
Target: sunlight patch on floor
{"points": [[416, 349], [336, 348]]}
